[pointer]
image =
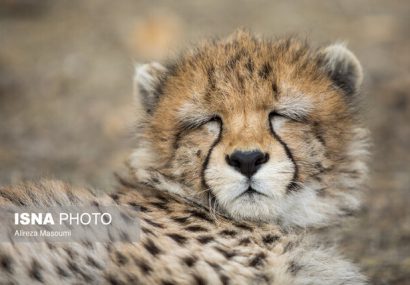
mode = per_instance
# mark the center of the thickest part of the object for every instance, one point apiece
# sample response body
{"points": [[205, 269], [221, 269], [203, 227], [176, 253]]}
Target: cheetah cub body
{"points": [[180, 243], [243, 144]]}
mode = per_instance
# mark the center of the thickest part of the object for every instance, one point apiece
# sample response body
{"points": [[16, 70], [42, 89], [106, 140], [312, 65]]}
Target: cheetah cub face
{"points": [[259, 130]]}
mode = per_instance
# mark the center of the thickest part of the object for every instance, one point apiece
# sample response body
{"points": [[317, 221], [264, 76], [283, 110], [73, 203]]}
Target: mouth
{"points": [[251, 192]]}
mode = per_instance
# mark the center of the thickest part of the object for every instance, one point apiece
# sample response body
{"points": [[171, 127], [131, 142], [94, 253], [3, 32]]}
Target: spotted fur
{"points": [[185, 245]]}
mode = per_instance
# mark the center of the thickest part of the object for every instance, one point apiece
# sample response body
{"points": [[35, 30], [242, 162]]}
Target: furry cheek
{"points": [[273, 178]]}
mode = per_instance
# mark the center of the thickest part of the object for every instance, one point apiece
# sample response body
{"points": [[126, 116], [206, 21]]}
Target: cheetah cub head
{"points": [[259, 130]]}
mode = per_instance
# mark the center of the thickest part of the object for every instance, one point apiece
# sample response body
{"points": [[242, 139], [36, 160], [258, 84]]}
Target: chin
{"points": [[252, 207]]}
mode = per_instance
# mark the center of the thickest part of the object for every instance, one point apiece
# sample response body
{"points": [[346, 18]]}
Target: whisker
{"points": [[212, 206]]}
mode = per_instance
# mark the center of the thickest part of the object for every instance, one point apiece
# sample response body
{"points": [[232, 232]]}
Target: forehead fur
{"points": [[243, 71]]}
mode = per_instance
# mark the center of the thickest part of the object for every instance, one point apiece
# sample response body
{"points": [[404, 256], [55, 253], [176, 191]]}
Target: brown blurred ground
{"points": [[65, 92]]}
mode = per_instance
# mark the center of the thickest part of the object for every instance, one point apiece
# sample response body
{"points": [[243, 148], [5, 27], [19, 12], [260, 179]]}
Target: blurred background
{"points": [[66, 104]]}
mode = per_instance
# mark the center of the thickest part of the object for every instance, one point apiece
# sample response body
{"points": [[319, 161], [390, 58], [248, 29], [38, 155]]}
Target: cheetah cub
{"points": [[243, 145]]}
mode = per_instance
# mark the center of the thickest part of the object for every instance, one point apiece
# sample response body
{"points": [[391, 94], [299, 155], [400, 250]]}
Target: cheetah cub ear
{"points": [[343, 68], [147, 80]]}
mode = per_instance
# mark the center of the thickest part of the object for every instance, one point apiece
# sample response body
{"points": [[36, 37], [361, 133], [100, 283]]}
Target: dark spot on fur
{"points": [[151, 247], [6, 263], [347, 212], [320, 168], [294, 268], [214, 265], [289, 247], [160, 205], [167, 282], [124, 237], [132, 279], [180, 220], [275, 90], [199, 280], [269, 239], [172, 68], [241, 81], [233, 60], [121, 258], [177, 139], [147, 231], [91, 261], [230, 233], [152, 223], [145, 268], [115, 197], [198, 153], [243, 227], [297, 55], [113, 280], [317, 130], [245, 241], [108, 246], [224, 279], [178, 238], [137, 207], [249, 65], [88, 244], [211, 78], [71, 196], [205, 239], [35, 271], [228, 254], [265, 71], [321, 192], [189, 261], [144, 209], [60, 271], [265, 278], [196, 228], [258, 260], [73, 266], [286, 44], [293, 186], [200, 215]]}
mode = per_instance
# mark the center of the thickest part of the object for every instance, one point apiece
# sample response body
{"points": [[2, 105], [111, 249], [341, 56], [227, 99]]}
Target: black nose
{"points": [[247, 162]]}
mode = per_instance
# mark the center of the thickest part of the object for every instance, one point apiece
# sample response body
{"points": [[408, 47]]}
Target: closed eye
{"points": [[198, 122], [287, 115]]}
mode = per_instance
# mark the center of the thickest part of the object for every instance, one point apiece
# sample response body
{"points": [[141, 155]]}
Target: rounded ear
{"points": [[147, 84], [343, 68]]}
